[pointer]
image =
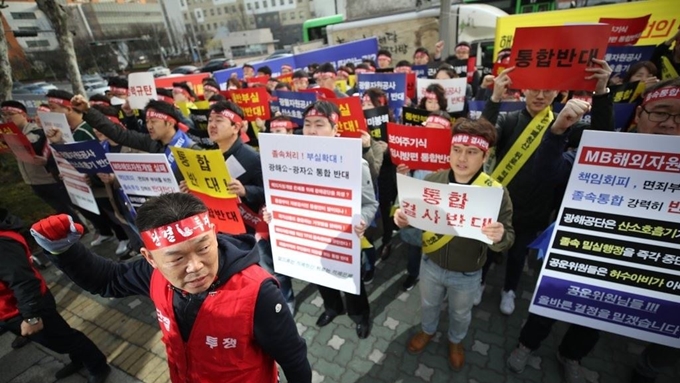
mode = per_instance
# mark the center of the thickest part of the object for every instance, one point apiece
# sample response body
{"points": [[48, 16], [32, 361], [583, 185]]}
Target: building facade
{"points": [[24, 16]]}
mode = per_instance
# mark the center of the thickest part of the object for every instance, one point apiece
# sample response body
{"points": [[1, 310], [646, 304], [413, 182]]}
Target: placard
{"points": [[351, 121], [143, 175], [87, 157], [17, 142], [419, 148], [51, 120], [141, 89], [204, 171], [454, 89], [253, 101]]}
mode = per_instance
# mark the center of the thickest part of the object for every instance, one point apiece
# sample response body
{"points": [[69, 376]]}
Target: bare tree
{"points": [[5, 69], [59, 20]]}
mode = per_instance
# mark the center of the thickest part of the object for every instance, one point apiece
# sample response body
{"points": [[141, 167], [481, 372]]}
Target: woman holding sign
{"points": [[453, 265]]}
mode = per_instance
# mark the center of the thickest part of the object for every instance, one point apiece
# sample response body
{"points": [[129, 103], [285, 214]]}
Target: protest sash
{"points": [[525, 145], [433, 242], [667, 70], [180, 140]]}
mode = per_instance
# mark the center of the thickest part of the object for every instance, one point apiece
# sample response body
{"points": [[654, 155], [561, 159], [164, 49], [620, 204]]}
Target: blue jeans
{"points": [[435, 282], [267, 263]]}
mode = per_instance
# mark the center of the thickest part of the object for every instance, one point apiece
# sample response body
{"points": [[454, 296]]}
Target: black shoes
{"points": [[325, 319], [68, 370], [100, 377], [20, 342], [368, 276], [409, 283], [363, 329]]}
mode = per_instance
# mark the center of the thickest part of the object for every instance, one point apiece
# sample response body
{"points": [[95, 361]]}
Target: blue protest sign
{"points": [[292, 104], [222, 76], [476, 107], [340, 54], [87, 157], [420, 70], [393, 84], [621, 58]]}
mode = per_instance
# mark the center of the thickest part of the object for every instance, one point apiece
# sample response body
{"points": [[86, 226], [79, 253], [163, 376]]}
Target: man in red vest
{"points": [[27, 307], [223, 317]]}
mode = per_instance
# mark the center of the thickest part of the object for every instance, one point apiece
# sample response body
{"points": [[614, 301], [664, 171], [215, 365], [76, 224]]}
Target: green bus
{"points": [[315, 29], [519, 6]]}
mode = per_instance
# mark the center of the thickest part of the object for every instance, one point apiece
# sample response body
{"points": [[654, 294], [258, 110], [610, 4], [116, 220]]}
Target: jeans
{"points": [[435, 282], [267, 263], [576, 343]]}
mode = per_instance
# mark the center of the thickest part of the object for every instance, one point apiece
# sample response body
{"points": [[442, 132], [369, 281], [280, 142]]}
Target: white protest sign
{"points": [[235, 168], [454, 89], [81, 194], [460, 210], [143, 175], [141, 89], [313, 189], [50, 120], [613, 261]]}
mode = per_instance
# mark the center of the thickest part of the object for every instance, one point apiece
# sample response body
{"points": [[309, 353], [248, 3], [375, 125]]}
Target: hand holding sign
{"points": [[400, 219], [501, 84], [601, 74], [494, 231], [572, 113]]}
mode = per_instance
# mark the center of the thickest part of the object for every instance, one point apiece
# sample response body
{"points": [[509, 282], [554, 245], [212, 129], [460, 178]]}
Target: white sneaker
{"points": [[507, 302], [122, 247], [479, 293], [99, 239]]}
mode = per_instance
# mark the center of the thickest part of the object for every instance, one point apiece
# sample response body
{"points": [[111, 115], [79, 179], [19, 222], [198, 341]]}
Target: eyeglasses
{"points": [[661, 116]]}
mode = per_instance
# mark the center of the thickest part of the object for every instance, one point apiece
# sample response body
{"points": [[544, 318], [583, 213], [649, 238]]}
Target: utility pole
{"points": [[445, 26]]}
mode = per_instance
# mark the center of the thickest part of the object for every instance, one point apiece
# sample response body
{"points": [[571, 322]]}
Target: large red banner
{"points": [[194, 80], [626, 31], [351, 121], [419, 148]]}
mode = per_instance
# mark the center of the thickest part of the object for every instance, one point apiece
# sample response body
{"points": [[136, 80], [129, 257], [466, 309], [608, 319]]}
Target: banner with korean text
{"points": [[351, 121], [253, 101], [50, 120], [376, 122], [563, 65], [87, 157], [17, 142], [454, 89], [621, 58], [206, 175], [293, 104], [614, 258], [194, 80], [626, 31], [143, 175], [141, 89], [393, 84], [449, 209], [419, 148], [313, 189]]}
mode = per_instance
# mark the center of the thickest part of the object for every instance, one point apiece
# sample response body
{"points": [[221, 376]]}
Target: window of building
{"points": [[219, 11], [282, 3], [200, 27], [212, 11], [207, 26], [290, 1], [186, 17], [283, 16], [299, 1], [257, 5], [37, 43], [264, 3], [292, 15], [302, 15], [233, 9], [273, 3], [259, 19], [23, 15], [248, 6], [29, 28]]}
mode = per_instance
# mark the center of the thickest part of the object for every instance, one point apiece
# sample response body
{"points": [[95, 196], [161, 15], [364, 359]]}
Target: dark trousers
{"points": [[357, 305], [517, 256], [387, 194], [59, 337], [57, 198], [656, 357], [415, 255], [105, 222], [576, 343]]}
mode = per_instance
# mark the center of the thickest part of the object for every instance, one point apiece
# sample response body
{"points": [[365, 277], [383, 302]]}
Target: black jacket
{"points": [[18, 274], [252, 178], [532, 197], [274, 331]]}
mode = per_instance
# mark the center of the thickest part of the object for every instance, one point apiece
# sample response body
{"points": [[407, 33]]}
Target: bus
{"points": [[315, 29], [518, 7]]}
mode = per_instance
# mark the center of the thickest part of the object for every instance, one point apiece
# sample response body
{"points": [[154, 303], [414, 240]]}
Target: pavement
{"points": [[127, 331]]}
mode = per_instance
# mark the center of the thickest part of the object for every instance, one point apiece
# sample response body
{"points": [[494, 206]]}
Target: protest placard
{"points": [[563, 65], [351, 121], [626, 31], [376, 121], [195, 81], [454, 89], [414, 116], [141, 89], [50, 120], [87, 157], [419, 148], [253, 101], [224, 212], [313, 189], [76, 185], [393, 84], [17, 142], [205, 171], [621, 58], [453, 209], [143, 175], [293, 104], [613, 262]]}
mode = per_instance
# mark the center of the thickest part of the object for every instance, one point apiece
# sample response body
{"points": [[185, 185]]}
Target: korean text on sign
{"points": [[351, 121], [253, 101], [419, 148], [204, 171]]}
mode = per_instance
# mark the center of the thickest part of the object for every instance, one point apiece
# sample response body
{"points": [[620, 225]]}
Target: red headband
{"points": [[117, 90], [446, 123], [59, 101], [402, 69], [161, 116], [666, 93], [43, 109], [177, 232], [11, 109], [211, 88], [281, 124], [284, 66], [463, 48], [228, 114], [420, 54], [328, 74], [385, 56], [360, 70], [343, 72], [430, 95], [167, 99], [470, 140], [100, 103], [333, 118], [181, 90]]}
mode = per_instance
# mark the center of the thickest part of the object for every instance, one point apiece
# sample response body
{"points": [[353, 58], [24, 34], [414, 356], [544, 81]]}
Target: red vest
{"points": [[8, 303], [221, 347]]}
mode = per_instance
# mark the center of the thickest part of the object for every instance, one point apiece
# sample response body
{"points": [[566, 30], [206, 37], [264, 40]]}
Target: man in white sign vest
{"points": [[450, 264]]}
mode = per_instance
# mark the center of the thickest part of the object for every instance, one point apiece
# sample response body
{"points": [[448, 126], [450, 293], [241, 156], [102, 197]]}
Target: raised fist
{"points": [[56, 233]]}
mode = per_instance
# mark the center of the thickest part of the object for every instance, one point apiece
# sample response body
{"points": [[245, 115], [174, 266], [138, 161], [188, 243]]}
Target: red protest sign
{"points": [[351, 121], [253, 101], [224, 213], [626, 31], [471, 68], [562, 66], [419, 148], [254, 221], [287, 78], [411, 85], [195, 80], [17, 142], [257, 80], [322, 93]]}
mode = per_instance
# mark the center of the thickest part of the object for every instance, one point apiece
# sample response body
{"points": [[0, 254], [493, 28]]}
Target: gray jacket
{"points": [[369, 205]]}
